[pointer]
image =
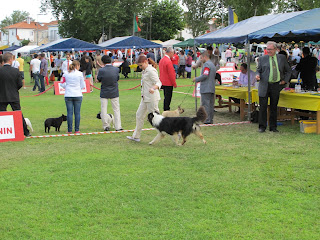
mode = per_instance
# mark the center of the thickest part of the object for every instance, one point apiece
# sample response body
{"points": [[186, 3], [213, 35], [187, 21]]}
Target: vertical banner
{"points": [[11, 127], [58, 90]]}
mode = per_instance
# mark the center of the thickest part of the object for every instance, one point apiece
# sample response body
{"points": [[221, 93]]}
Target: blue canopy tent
{"points": [[285, 27], [12, 48], [294, 26], [67, 44], [128, 42]]}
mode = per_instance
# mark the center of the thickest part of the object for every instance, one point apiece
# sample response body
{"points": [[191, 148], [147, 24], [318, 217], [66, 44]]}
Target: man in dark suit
{"points": [[10, 83], [273, 72], [109, 77]]}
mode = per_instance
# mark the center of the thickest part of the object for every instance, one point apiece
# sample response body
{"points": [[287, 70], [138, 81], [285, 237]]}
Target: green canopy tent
{"points": [[187, 43]]}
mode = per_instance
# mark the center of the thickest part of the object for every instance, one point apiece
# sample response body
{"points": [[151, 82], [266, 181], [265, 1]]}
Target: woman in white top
{"points": [[73, 84], [150, 96]]}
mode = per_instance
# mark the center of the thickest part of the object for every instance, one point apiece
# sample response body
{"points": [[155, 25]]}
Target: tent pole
{"points": [[131, 57], [249, 80], [195, 75]]}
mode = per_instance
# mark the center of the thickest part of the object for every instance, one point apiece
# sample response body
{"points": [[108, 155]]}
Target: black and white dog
{"points": [[110, 118], [175, 125]]}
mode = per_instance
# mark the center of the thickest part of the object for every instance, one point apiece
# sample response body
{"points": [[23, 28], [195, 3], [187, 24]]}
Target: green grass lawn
{"points": [[240, 185]]}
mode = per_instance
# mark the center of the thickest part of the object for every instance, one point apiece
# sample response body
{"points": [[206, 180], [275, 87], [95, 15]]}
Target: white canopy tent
{"points": [[170, 43], [24, 50]]}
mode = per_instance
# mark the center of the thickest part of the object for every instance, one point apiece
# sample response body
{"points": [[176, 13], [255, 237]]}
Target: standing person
{"points": [[65, 65], [228, 55], [175, 62], [21, 69], [119, 54], [109, 77], [273, 71], [99, 63], [214, 59], [15, 63], [150, 96], [35, 71], [189, 64], [316, 53], [10, 83], [296, 53], [307, 66], [150, 54], [43, 71], [182, 63], [207, 85], [73, 84], [88, 71], [58, 64], [167, 77]]}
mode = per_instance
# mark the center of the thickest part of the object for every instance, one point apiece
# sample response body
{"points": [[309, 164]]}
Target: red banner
{"points": [[11, 127], [58, 90]]}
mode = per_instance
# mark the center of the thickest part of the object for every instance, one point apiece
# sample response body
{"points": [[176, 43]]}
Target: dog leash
{"points": [[185, 95]]}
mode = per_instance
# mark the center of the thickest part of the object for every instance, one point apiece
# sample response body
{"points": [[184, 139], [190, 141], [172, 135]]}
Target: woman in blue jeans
{"points": [[73, 83]]}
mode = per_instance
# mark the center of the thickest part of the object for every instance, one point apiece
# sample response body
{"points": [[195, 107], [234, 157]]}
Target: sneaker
{"points": [[133, 139], [77, 132], [69, 132]]}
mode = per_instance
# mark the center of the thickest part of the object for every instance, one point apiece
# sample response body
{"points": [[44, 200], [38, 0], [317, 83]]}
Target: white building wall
{"points": [[27, 34], [13, 37], [53, 33]]}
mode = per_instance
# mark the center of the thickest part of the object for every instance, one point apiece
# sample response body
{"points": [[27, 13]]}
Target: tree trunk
{"points": [[110, 32]]}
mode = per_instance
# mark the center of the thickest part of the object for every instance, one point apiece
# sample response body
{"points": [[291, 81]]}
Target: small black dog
{"points": [[54, 122]]}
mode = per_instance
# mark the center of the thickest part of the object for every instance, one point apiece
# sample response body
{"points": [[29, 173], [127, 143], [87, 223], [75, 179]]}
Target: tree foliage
{"points": [[198, 15], [87, 20], [250, 8], [296, 5], [166, 19], [15, 17]]}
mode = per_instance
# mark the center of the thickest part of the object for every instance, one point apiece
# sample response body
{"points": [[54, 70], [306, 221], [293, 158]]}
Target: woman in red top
{"points": [[175, 62]]}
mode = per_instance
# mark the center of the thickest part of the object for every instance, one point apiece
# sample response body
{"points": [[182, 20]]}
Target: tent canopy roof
{"points": [[294, 26], [187, 43], [12, 48], [128, 42], [66, 44], [170, 43], [25, 49]]}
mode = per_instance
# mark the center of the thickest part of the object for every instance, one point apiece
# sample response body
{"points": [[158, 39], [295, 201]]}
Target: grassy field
{"points": [[240, 185]]}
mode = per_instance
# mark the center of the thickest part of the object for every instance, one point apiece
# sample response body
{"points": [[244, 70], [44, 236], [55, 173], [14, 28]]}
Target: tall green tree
{"points": [[87, 20], [166, 19], [250, 8], [296, 5], [199, 13], [15, 17]]}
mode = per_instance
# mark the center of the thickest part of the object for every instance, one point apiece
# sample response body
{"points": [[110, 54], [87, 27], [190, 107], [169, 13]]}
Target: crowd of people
{"points": [[274, 70]]}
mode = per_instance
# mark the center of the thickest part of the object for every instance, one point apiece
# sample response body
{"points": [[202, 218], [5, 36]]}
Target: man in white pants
{"points": [[109, 76]]}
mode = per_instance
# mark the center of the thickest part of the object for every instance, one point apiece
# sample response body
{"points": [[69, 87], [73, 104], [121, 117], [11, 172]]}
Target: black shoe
{"points": [[119, 129], [274, 130], [262, 130], [28, 135], [107, 129], [208, 123]]}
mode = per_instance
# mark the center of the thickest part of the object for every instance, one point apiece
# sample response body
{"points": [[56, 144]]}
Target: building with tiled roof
{"points": [[36, 32]]}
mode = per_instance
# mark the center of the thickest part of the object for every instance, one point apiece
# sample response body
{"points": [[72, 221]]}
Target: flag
{"points": [[233, 18], [136, 27]]}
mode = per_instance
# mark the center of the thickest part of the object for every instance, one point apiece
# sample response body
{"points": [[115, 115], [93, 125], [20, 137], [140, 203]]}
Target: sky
{"points": [[31, 6]]}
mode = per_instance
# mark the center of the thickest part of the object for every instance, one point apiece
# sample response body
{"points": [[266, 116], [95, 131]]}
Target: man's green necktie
{"points": [[274, 71]]}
